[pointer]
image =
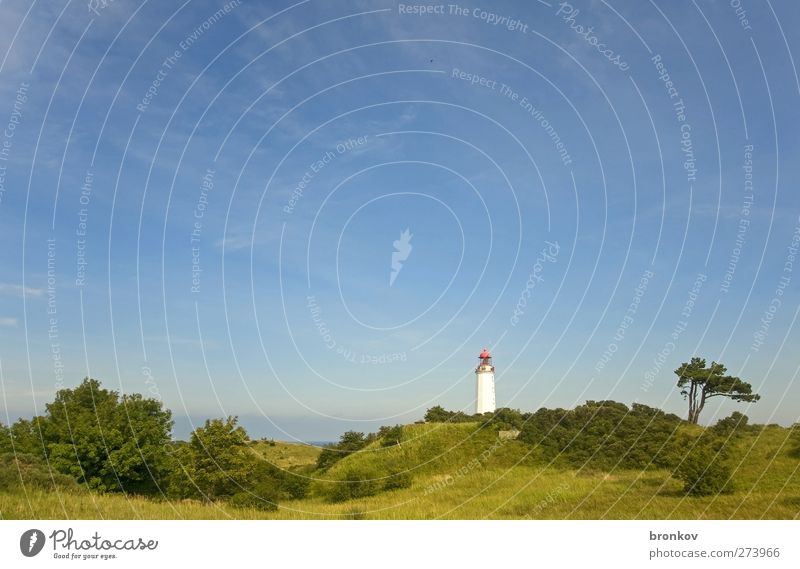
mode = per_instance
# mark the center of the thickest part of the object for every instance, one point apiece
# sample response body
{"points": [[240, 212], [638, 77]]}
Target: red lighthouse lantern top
{"points": [[485, 361]]}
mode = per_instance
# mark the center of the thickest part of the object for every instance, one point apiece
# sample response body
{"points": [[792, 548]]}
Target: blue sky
{"points": [[566, 208]]}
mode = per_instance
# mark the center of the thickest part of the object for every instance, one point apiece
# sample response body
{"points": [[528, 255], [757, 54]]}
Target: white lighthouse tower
{"points": [[484, 375]]}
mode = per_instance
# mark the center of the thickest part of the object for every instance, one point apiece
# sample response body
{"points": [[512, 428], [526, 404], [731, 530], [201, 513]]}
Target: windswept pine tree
{"points": [[699, 383]]}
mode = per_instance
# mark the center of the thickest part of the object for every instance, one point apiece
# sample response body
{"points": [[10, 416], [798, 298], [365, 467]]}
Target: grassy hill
{"points": [[431, 448], [286, 455], [459, 471]]}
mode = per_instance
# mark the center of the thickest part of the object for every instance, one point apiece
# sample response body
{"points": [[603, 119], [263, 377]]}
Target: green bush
{"points": [[263, 497], [390, 436], [398, 481], [794, 436], [26, 436], [294, 485], [352, 486], [349, 442], [736, 423], [99, 438], [704, 472], [602, 435], [25, 470], [503, 418], [215, 464], [5, 440]]}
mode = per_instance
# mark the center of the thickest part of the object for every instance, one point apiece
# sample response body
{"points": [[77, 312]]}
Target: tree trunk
{"points": [[703, 395], [693, 413]]}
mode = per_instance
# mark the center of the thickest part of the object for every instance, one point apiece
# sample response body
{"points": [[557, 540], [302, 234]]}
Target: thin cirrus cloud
{"points": [[19, 290]]}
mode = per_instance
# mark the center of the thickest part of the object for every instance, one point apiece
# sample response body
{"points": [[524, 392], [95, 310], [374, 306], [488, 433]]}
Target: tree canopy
{"points": [[218, 463], [107, 441], [699, 383], [349, 442], [102, 440]]}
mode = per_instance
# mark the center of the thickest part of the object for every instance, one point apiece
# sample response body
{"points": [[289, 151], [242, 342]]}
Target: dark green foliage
{"points": [[736, 423], [216, 463], [699, 383], [108, 442], [598, 434], [26, 471], [602, 435], [438, 414], [79, 434], [259, 501], [503, 419], [349, 442], [328, 457], [794, 438], [506, 419], [353, 485], [27, 437], [390, 436], [704, 472], [261, 490], [95, 437], [294, 485], [398, 480], [5, 440], [352, 441]]}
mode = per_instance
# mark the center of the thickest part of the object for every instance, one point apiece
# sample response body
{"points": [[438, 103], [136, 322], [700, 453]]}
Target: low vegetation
{"points": [[95, 453]]}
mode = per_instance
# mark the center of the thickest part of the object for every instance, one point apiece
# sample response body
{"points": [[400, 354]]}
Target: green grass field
{"points": [[458, 472]]}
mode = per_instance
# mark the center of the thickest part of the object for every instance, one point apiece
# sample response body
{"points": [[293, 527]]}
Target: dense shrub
{"points": [[602, 435], [294, 484], [353, 485], [25, 470], [5, 440], [503, 419], [349, 442], [390, 436], [262, 494], [794, 437], [506, 419], [398, 481], [99, 438], [736, 423], [704, 472], [438, 414], [218, 463]]}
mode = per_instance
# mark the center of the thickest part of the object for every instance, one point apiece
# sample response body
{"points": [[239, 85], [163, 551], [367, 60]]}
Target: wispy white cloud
{"points": [[235, 242], [19, 290], [8, 322]]}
